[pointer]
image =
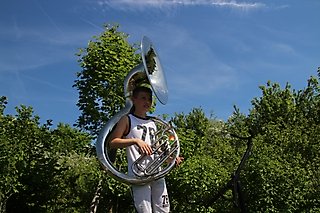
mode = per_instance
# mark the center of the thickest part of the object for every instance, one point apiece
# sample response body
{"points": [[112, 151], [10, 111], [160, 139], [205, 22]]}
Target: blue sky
{"points": [[215, 53]]}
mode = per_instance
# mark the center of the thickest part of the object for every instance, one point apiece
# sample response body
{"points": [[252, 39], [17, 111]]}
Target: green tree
{"points": [[9, 159], [105, 64], [211, 156], [44, 169], [283, 170]]}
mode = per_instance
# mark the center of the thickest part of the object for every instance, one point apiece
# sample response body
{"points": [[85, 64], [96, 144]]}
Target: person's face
{"points": [[142, 102]]}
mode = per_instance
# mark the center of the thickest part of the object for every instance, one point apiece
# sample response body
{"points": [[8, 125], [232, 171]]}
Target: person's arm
{"points": [[119, 142]]}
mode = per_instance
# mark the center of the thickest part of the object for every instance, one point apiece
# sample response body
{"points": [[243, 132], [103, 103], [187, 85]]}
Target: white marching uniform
{"points": [[151, 197]]}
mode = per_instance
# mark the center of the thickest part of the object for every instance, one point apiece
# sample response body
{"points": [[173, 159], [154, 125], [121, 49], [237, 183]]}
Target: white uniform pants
{"points": [[152, 197]]}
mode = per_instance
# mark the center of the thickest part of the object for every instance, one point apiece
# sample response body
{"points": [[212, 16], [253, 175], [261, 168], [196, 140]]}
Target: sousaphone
{"points": [[166, 148]]}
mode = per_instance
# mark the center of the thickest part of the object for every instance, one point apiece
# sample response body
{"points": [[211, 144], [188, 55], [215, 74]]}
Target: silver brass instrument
{"points": [[166, 148]]}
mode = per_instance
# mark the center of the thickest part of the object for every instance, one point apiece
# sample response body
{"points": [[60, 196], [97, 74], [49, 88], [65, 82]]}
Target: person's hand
{"points": [[179, 160], [144, 148]]}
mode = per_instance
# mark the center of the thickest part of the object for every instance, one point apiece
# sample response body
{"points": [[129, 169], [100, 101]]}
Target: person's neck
{"points": [[140, 114]]}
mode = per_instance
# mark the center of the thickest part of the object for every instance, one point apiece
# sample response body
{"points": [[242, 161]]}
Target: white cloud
{"points": [[284, 48], [141, 4]]}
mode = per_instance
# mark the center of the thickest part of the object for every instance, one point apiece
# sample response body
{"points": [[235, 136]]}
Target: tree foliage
{"points": [[285, 163], [44, 169], [211, 156], [105, 63]]}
